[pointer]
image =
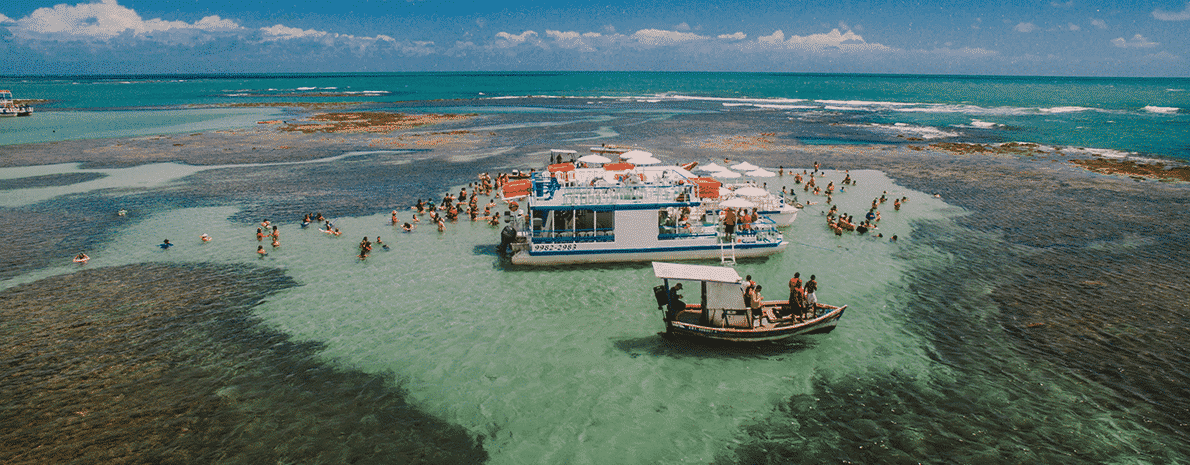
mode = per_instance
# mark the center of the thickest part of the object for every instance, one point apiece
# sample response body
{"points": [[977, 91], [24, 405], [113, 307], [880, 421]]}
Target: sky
{"points": [[1048, 38]]}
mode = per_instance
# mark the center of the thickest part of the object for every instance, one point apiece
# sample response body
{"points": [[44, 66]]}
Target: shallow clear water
{"points": [[563, 364]]}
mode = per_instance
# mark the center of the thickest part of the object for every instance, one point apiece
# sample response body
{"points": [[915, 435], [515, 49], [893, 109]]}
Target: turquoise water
{"points": [[1149, 116], [564, 365]]}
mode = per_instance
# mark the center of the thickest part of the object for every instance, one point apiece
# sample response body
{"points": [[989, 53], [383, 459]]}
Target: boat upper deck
{"points": [[619, 184]]}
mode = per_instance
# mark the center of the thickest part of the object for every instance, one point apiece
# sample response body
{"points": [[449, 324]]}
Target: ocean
{"points": [[1028, 312]]}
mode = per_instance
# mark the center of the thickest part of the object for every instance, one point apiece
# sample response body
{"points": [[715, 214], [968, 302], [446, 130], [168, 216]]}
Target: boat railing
{"points": [[549, 190]]}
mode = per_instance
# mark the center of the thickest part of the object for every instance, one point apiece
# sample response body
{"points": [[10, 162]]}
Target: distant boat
{"points": [[720, 314], [9, 107]]}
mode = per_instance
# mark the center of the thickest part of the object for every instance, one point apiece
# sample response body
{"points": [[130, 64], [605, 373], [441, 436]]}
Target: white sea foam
{"points": [[984, 124], [903, 129], [306, 88], [1156, 109], [1070, 109], [866, 103]]}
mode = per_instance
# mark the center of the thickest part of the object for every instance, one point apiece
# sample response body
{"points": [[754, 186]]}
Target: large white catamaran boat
{"points": [[594, 210]]}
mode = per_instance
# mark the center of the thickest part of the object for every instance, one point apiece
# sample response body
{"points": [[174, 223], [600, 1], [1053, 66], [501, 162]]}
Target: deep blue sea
{"points": [[1149, 116]]}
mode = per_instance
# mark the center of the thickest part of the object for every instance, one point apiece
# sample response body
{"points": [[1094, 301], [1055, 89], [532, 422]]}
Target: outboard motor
{"points": [[661, 296], [507, 237]]}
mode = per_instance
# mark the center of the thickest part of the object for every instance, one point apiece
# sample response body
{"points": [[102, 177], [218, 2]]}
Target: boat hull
{"points": [[748, 250], [821, 325]]}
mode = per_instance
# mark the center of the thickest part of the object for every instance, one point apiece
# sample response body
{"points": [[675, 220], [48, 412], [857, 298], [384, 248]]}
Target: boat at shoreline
{"points": [[720, 313], [9, 107], [620, 212]]}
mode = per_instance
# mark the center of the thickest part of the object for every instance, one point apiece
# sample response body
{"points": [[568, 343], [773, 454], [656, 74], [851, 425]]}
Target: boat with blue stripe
{"points": [[574, 213]]}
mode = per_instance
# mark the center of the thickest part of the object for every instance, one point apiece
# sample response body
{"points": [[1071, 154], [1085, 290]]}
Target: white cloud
{"points": [[506, 40], [736, 36], [279, 32], [849, 42], [661, 38], [574, 40], [1025, 27], [5, 19], [1073, 27], [1099, 23], [1137, 41], [107, 20], [1172, 15], [102, 21], [682, 27]]}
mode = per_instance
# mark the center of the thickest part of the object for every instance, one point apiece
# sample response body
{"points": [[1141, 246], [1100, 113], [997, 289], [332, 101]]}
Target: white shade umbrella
{"points": [[745, 166], [711, 167], [725, 174], [737, 203], [645, 161], [593, 158], [751, 191], [724, 192], [761, 173], [636, 154]]}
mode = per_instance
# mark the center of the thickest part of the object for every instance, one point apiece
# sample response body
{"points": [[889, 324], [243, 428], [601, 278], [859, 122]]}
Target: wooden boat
{"points": [[720, 313]]}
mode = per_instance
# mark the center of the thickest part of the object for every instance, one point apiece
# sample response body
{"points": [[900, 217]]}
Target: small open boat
{"points": [[720, 313]]}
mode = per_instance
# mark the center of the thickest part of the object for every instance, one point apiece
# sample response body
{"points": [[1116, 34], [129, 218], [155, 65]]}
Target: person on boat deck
{"points": [[796, 294], [746, 287], [729, 222], [756, 303], [812, 296], [676, 305]]}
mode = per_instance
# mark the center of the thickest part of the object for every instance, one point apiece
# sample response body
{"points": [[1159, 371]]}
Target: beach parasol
{"points": [[645, 161], [725, 174], [635, 154], [737, 203], [593, 158], [761, 173], [751, 191], [711, 167], [745, 166]]}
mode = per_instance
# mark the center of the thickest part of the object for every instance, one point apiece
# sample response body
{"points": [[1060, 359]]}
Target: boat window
{"points": [[573, 226]]}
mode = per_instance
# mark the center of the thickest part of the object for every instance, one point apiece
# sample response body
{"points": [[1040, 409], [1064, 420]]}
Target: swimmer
{"points": [[81, 258], [261, 252], [407, 227], [381, 244], [395, 220], [205, 237], [122, 212], [276, 243], [259, 234], [165, 244], [441, 225]]}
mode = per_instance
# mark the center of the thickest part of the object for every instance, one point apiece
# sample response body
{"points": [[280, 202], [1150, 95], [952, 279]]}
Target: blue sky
{"points": [[1062, 38]]}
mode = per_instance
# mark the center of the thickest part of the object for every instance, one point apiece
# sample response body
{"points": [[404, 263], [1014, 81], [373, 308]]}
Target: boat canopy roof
{"points": [[719, 274]]}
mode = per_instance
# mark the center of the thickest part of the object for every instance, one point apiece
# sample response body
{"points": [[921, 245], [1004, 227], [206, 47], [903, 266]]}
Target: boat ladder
{"points": [[727, 253]]}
